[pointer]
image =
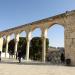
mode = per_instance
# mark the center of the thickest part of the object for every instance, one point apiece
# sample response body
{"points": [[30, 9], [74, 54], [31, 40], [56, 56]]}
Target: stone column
{"points": [[16, 44], [70, 37], [28, 38], [44, 36], [1, 43], [70, 45], [7, 42]]}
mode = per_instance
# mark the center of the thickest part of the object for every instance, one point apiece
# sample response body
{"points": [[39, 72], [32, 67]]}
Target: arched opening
{"points": [[23, 34], [35, 45], [56, 43], [11, 45], [36, 33], [4, 44], [56, 35], [12, 36], [22, 43]]}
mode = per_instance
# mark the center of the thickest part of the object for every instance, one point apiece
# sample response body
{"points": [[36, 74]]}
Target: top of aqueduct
{"points": [[47, 22]]}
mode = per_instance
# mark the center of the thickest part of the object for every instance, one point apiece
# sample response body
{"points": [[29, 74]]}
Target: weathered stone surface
{"points": [[67, 20]]}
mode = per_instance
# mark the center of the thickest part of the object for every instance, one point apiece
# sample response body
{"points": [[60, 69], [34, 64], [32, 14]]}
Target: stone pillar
{"points": [[44, 36], [7, 42], [70, 45], [28, 38], [70, 37], [1, 43], [67, 44], [16, 44]]}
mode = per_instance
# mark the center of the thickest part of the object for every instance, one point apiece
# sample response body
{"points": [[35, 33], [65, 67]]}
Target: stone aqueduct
{"points": [[67, 20]]}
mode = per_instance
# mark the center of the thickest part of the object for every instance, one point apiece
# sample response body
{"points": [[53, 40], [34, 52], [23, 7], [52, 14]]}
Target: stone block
{"points": [[72, 35]]}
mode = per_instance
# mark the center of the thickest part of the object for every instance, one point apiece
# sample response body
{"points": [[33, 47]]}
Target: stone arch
{"points": [[36, 33], [56, 27], [66, 19], [53, 24], [22, 42], [23, 33], [56, 39], [12, 36], [4, 43], [38, 30]]}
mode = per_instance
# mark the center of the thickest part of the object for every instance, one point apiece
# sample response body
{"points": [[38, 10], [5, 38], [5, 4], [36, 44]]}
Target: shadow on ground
{"points": [[28, 63]]}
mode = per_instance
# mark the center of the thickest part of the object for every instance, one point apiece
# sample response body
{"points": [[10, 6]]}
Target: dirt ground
{"points": [[9, 67]]}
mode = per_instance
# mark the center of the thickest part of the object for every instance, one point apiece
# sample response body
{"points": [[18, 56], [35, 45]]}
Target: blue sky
{"points": [[17, 12]]}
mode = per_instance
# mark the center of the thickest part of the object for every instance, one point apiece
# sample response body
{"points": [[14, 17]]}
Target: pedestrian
{"points": [[0, 55], [19, 56], [62, 58]]}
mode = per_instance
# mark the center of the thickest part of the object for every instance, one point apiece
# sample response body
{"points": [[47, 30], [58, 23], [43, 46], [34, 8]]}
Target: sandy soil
{"points": [[14, 68]]}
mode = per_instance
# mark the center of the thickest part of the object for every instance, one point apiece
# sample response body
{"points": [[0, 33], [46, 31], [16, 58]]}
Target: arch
{"points": [[56, 43], [23, 34], [12, 36], [4, 36], [53, 24], [22, 43], [4, 43], [36, 35], [55, 31], [35, 31]]}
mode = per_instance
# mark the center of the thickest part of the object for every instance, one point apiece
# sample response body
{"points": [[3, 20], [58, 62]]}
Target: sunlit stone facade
{"points": [[67, 20]]}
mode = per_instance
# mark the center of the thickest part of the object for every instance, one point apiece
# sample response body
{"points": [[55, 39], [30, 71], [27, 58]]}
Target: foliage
{"points": [[35, 47], [11, 46], [4, 45], [22, 45]]}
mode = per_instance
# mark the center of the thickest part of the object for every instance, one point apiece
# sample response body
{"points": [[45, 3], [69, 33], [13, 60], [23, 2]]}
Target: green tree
{"points": [[22, 46], [36, 48], [4, 45], [11, 46]]}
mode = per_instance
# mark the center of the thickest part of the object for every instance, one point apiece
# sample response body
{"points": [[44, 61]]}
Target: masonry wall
{"points": [[70, 38]]}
